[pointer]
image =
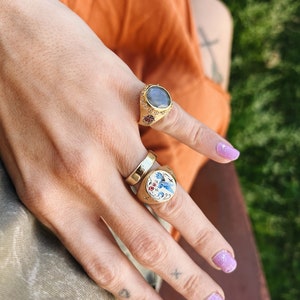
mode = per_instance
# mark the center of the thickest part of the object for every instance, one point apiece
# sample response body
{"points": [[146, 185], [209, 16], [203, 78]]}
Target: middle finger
{"points": [[184, 214]]}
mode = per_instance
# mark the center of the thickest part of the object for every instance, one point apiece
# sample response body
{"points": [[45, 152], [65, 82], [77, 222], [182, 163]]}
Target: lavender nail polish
{"points": [[225, 261], [214, 296], [226, 151]]}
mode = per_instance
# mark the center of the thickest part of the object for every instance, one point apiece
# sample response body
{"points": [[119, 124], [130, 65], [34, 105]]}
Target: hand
{"points": [[69, 135]]}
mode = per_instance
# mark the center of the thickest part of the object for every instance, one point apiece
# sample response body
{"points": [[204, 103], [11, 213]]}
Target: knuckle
{"points": [[149, 249], [36, 192], [38, 196], [192, 286], [196, 134], [104, 274], [31, 192], [200, 283], [204, 238], [170, 208]]}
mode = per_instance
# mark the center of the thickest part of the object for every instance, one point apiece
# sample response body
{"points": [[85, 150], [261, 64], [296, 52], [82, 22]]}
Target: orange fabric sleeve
{"points": [[158, 40]]}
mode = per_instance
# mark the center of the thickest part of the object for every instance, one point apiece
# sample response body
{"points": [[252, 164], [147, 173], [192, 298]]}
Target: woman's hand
{"points": [[69, 135]]}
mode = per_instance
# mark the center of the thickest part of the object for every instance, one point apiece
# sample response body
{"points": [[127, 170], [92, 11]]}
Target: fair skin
{"points": [[68, 137], [215, 38]]}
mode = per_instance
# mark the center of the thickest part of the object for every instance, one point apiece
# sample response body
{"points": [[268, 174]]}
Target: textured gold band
{"points": [[157, 186], [155, 103], [141, 170]]}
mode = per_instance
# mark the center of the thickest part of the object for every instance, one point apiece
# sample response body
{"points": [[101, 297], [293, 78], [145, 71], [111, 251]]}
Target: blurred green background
{"points": [[265, 87]]}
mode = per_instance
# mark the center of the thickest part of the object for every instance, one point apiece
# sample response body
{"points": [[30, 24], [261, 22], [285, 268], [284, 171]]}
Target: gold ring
{"points": [[155, 103], [141, 170], [157, 186]]}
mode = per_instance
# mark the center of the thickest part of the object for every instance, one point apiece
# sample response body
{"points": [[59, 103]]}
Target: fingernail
{"points": [[214, 296], [225, 261], [226, 151]]}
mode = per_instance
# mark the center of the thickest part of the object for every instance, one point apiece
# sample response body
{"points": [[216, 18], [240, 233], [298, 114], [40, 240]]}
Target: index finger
{"points": [[188, 130]]}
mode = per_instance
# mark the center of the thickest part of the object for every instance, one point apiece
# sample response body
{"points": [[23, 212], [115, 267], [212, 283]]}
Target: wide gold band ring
{"points": [[155, 103], [141, 170], [158, 186]]}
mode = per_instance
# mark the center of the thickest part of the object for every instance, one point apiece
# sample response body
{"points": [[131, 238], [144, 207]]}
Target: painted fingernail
{"points": [[225, 261], [227, 151], [214, 296]]}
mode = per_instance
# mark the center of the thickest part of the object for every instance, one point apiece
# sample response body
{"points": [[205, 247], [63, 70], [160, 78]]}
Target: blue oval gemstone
{"points": [[158, 97]]}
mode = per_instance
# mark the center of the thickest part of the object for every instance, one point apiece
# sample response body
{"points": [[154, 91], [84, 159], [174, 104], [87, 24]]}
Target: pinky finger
{"points": [[92, 245]]}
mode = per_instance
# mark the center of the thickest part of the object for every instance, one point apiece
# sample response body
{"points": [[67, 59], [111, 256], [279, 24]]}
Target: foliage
{"points": [[265, 87]]}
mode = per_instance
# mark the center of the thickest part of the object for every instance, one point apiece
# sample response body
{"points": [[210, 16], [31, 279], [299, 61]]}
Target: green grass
{"points": [[265, 87]]}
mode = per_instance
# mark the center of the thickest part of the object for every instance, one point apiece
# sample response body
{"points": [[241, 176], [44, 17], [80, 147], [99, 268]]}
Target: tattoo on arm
{"points": [[176, 274], [205, 43], [124, 293]]}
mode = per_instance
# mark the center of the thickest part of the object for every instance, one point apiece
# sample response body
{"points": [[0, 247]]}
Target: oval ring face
{"points": [[161, 186], [158, 97], [155, 103]]}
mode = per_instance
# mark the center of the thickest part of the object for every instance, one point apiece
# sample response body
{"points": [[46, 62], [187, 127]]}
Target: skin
{"points": [[215, 38], [68, 137]]}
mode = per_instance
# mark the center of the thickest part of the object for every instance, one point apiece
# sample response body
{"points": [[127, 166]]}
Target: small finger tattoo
{"points": [[176, 274], [124, 294]]}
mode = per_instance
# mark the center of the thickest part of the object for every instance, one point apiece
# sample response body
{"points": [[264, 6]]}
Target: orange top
{"points": [[158, 40]]}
